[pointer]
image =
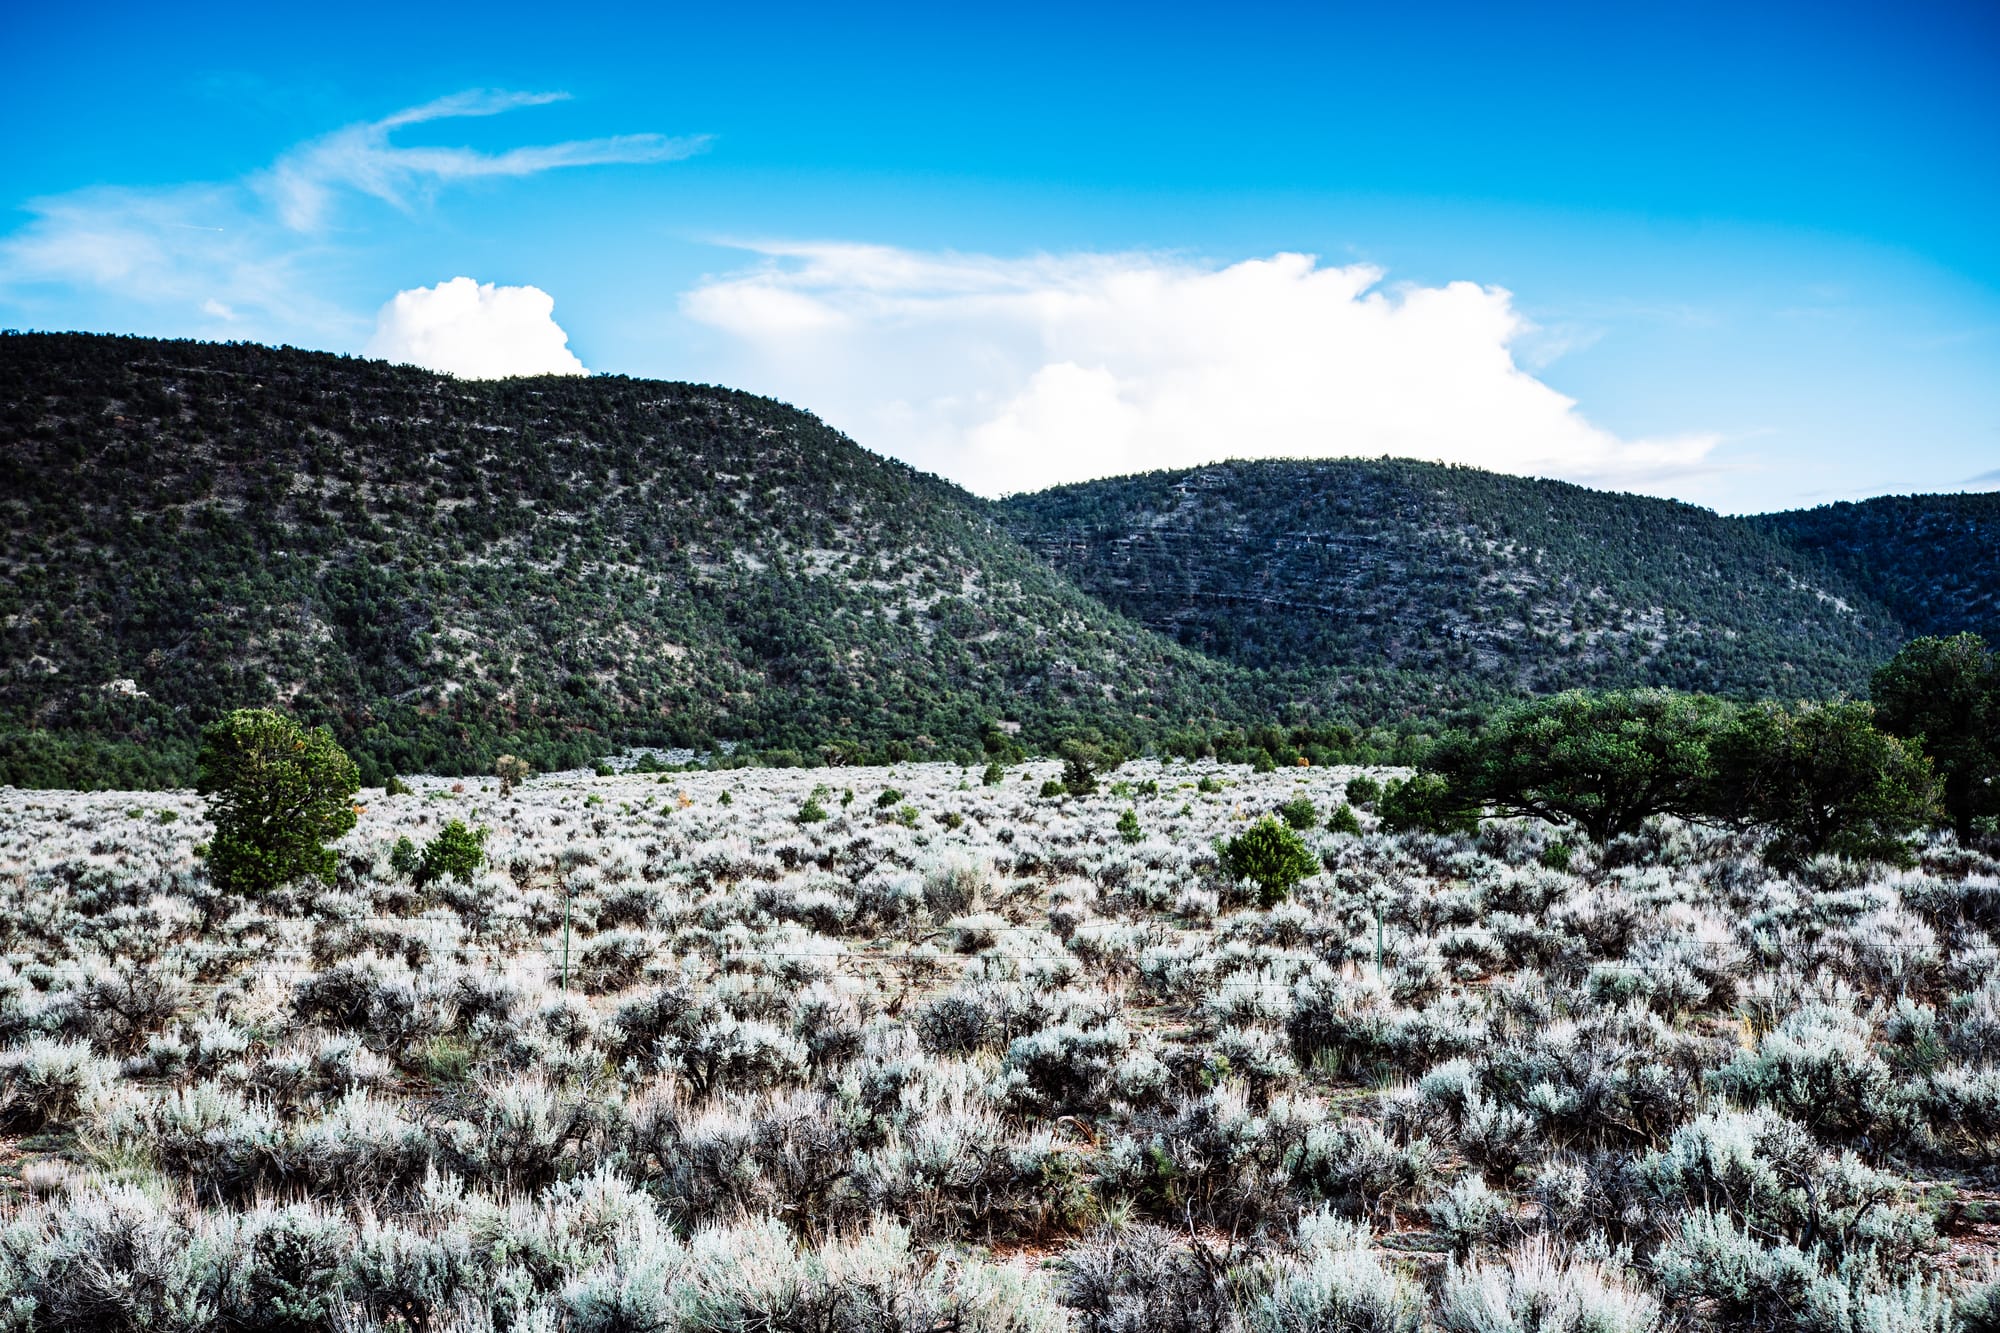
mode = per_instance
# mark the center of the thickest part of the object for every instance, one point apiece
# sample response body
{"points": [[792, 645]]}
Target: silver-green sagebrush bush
{"points": [[1337, 1280], [666, 1063], [1536, 1289]]}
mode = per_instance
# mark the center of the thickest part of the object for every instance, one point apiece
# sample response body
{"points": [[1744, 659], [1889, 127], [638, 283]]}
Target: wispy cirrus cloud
{"points": [[248, 257], [204, 258], [1016, 373], [305, 181]]}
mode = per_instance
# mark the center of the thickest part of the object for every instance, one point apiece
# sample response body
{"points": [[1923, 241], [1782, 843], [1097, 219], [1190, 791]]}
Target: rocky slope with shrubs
{"points": [[1929, 558], [1493, 582], [447, 570], [893, 1048]]}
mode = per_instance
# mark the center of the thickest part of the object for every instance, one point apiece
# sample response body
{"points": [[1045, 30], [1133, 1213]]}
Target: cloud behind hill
{"points": [[475, 330], [1014, 374]]}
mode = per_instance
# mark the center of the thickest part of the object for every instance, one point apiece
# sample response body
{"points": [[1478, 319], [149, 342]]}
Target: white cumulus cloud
{"points": [[475, 330], [1014, 374]]}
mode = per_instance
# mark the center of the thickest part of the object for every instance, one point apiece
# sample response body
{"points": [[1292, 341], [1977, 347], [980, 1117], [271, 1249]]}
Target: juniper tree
{"points": [[1270, 856], [457, 852], [1944, 694], [277, 793], [1823, 778], [1604, 762]]}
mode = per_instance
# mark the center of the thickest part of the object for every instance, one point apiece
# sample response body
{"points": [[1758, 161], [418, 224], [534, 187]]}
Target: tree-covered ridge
{"points": [[1934, 560], [442, 570], [1489, 581]]}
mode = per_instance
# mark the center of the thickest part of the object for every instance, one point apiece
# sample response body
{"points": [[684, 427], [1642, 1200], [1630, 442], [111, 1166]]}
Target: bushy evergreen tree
{"points": [[277, 792], [1603, 762], [457, 852], [1824, 778], [1944, 694], [1426, 802], [1270, 856], [1300, 813]]}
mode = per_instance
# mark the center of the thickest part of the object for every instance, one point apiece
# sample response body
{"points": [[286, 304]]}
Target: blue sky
{"points": [[1739, 254]]}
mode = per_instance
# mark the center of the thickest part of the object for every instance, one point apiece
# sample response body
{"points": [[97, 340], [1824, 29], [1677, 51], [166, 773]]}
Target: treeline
{"points": [[1851, 778], [461, 746], [1104, 745], [1272, 745]]}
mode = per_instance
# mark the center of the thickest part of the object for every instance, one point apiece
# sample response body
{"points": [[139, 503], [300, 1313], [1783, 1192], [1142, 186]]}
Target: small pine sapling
{"points": [[1270, 856], [457, 852]]}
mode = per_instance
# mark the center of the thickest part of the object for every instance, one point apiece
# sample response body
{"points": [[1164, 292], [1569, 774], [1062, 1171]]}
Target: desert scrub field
{"points": [[895, 1049]]}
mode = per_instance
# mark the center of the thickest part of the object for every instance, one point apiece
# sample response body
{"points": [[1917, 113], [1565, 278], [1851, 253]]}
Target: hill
{"points": [[1488, 582], [1933, 560], [443, 570]]}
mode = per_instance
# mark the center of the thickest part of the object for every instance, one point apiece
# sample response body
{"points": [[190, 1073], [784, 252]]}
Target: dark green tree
{"points": [[456, 852], [1270, 856], [1128, 826], [1824, 778], [277, 793], [1078, 778], [1944, 694], [1603, 762], [1300, 813], [1425, 803]]}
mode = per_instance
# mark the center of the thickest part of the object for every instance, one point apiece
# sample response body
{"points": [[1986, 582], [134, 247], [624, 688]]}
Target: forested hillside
{"points": [[1934, 560], [445, 569], [1487, 581]]}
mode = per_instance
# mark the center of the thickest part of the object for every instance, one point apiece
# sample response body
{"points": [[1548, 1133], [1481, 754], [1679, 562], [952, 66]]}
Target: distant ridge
{"points": [[1933, 560], [1482, 579]]}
